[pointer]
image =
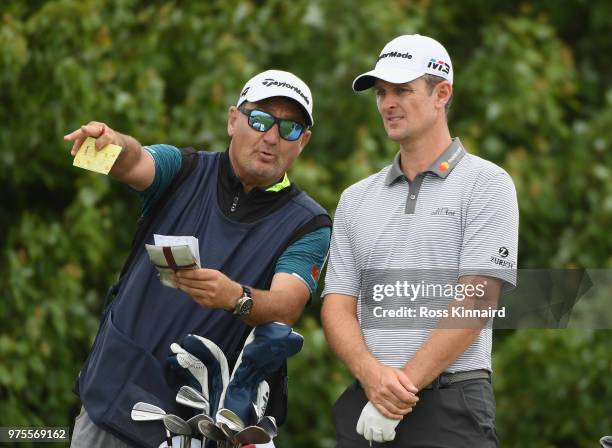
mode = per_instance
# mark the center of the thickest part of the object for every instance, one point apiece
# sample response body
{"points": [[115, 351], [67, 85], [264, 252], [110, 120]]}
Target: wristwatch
{"points": [[244, 303]]}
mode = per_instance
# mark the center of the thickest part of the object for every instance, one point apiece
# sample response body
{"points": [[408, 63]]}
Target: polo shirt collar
{"points": [[441, 167]]}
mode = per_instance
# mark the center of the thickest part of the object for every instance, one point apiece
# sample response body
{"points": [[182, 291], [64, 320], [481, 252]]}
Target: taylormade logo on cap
{"points": [[273, 83], [394, 54], [407, 58]]}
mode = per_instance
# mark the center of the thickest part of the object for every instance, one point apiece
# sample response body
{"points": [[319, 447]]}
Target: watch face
{"points": [[246, 306]]}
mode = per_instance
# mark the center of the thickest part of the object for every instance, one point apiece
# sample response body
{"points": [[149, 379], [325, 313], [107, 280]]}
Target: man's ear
{"points": [[443, 92], [304, 139], [232, 116]]}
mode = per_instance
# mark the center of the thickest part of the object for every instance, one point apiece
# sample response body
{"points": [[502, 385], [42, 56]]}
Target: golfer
{"points": [[262, 243], [437, 214]]}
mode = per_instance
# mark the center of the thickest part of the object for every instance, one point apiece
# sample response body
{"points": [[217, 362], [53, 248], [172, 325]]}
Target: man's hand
{"points": [[134, 166], [374, 426], [100, 131], [209, 287], [388, 389]]}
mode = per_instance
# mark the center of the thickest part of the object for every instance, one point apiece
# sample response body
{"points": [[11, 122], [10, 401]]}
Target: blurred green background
{"points": [[532, 93]]}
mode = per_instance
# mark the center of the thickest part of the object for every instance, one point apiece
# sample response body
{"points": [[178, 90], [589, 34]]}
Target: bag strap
{"points": [[189, 161]]}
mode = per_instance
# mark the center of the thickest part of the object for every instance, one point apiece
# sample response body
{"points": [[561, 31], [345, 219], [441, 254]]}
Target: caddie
{"points": [[262, 243]]}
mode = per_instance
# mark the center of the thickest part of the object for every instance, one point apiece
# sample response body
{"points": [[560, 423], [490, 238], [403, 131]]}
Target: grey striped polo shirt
{"points": [[459, 217]]}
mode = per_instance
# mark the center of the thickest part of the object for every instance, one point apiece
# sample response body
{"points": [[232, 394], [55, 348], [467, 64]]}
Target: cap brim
{"points": [[367, 80], [255, 98]]}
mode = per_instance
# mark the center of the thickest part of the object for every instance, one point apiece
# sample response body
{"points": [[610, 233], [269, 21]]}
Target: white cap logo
{"points": [[407, 58], [278, 83]]}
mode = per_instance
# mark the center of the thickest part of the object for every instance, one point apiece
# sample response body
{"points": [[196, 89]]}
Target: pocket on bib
{"points": [[119, 374]]}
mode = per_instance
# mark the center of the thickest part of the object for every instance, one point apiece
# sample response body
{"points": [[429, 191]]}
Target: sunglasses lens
{"points": [[290, 130], [260, 121]]}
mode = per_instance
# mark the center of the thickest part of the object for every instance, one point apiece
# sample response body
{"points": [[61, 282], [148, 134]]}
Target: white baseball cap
{"points": [[406, 58], [278, 83]]}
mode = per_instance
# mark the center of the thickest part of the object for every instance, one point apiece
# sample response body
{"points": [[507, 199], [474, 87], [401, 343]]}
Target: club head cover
{"points": [[188, 368], [263, 395], [261, 356], [214, 359]]}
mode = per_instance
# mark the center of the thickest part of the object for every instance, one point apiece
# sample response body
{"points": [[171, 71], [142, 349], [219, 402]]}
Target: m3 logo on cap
{"points": [[244, 92], [439, 65]]}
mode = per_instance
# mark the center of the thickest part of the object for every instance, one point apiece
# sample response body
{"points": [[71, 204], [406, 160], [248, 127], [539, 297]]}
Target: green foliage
{"points": [[559, 379], [316, 379], [532, 93]]}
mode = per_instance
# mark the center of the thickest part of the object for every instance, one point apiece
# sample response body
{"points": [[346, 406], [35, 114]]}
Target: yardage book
{"points": [[100, 161], [173, 253]]}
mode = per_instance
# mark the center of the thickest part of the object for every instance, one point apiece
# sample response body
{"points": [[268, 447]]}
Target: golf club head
{"points": [[177, 425], [227, 430], [252, 434], [146, 412], [193, 422], [230, 418], [268, 424], [143, 412], [211, 431], [190, 397], [194, 393]]}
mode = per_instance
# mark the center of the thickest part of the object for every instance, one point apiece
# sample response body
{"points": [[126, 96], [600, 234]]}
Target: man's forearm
{"points": [[129, 162], [453, 335], [345, 338], [284, 301], [274, 306], [387, 388], [438, 352]]}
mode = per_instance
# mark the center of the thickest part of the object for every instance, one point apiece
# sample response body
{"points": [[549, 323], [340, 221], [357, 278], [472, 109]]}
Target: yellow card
{"points": [[99, 161]]}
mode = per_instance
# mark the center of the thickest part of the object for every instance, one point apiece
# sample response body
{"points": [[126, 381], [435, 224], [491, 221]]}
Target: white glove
{"points": [[374, 426]]}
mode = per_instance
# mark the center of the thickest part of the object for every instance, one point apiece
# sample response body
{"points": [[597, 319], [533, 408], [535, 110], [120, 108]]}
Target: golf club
{"points": [[177, 425], [230, 418], [193, 422], [190, 397], [229, 432], [211, 431], [146, 412], [252, 434], [268, 424]]}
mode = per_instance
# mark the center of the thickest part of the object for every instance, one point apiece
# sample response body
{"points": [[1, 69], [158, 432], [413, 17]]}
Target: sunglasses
{"points": [[263, 121]]}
